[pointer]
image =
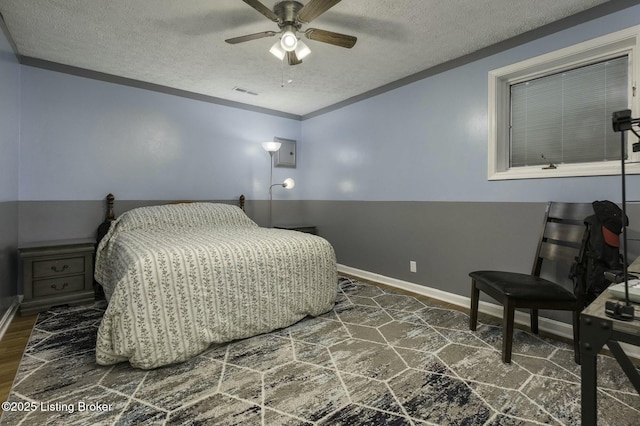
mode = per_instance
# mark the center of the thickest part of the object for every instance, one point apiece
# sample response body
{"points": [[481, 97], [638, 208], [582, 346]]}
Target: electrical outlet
{"points": [[412, 266]]}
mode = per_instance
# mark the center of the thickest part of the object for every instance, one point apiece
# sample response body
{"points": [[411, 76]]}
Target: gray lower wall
{"points": [[447, 240], [8, 255]]}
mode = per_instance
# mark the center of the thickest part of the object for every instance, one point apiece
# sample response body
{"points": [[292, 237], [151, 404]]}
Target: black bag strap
{"points": [[578, 270]]}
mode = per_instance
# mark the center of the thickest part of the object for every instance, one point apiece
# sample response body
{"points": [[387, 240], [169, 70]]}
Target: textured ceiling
{"points": [[180, 44]]}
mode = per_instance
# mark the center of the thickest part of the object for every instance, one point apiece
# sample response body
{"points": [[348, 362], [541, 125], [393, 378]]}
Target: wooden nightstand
{"points": [[56, 273], [309, 229]]}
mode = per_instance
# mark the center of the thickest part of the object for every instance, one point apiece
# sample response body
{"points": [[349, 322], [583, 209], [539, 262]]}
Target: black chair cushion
{"points": [[523, 286]]}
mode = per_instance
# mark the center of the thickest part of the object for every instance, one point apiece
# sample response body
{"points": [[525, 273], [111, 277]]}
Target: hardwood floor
{"points": [[11, 348]]}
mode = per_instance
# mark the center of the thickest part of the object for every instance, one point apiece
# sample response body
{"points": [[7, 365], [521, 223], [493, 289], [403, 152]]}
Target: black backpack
{"points": [[600, 251]]}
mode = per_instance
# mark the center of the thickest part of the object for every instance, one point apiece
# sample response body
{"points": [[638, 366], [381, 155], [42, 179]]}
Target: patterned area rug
{"points": [[378, 358]]}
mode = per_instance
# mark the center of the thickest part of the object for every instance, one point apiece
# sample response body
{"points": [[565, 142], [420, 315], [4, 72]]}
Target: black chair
{"points": [[561, 242]]}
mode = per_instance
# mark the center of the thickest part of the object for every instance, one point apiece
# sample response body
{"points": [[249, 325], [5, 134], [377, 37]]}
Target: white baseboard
{"points": [[8, 316], [547, 325]]}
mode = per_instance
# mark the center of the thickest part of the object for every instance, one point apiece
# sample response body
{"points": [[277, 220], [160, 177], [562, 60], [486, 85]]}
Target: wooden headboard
{"points": [[110, 216]]}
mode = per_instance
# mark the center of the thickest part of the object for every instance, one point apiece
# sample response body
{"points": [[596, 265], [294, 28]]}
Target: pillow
{"points": [[185, 215]]}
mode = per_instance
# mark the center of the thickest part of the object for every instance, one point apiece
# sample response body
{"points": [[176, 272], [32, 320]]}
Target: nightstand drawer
{"points": [[52, 268], [59, 285]]}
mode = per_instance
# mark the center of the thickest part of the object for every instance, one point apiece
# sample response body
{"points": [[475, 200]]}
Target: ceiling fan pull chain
{"points": [[282, 82]]}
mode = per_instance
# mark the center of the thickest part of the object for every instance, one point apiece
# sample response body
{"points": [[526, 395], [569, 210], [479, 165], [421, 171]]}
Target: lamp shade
{"points": [[289, 183], [302, 50], [271, 146], [276, 50]]}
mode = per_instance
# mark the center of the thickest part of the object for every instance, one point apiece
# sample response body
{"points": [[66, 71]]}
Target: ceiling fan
{"points": [[290, 16]]}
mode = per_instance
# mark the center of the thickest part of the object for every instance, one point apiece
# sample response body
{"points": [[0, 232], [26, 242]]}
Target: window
{"points": [[550, 116]]}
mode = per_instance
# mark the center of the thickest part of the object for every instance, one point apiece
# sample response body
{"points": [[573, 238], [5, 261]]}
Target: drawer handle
{"points": [[55, 286], [54, 268]]}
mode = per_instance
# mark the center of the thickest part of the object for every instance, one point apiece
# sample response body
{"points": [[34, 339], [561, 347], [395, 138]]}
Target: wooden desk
{"points": [[596, 330]]}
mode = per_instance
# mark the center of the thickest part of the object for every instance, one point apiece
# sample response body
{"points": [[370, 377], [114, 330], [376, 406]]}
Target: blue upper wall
{"points": [[9, 121], [83, 138], [427, 141]]}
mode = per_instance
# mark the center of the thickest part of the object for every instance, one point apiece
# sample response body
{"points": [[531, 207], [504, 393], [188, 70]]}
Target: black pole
{"points": [[622, 121], [624, 220]]}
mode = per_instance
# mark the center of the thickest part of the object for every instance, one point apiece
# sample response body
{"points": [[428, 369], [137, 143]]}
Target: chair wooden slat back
{"points": [[562, 234], [569, 211]]}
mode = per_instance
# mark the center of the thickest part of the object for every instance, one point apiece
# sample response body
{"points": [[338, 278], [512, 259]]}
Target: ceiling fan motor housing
{"points": [[287, 11]]}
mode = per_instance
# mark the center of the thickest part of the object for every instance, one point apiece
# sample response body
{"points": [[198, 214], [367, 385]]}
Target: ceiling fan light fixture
{"points": [[289, 41], [276, 50], [302, 50]]}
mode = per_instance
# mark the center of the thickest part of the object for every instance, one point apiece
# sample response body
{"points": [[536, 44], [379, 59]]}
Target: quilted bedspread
{"points": [[181, 277]]}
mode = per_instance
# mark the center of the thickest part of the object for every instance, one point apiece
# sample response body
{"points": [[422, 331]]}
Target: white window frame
{"points": [[625, 42]]}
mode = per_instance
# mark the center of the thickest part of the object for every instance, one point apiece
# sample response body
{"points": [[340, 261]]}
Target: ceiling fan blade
{"points": [[250, 37], [337, 39], [262, 9], [293, 58], [315, 8]]}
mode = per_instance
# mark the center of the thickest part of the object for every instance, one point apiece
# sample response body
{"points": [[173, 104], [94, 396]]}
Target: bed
{"points": [[182, 276]]}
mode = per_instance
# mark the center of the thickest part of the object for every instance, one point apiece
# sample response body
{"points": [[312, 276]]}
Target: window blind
{"points": [[566, 117]]}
